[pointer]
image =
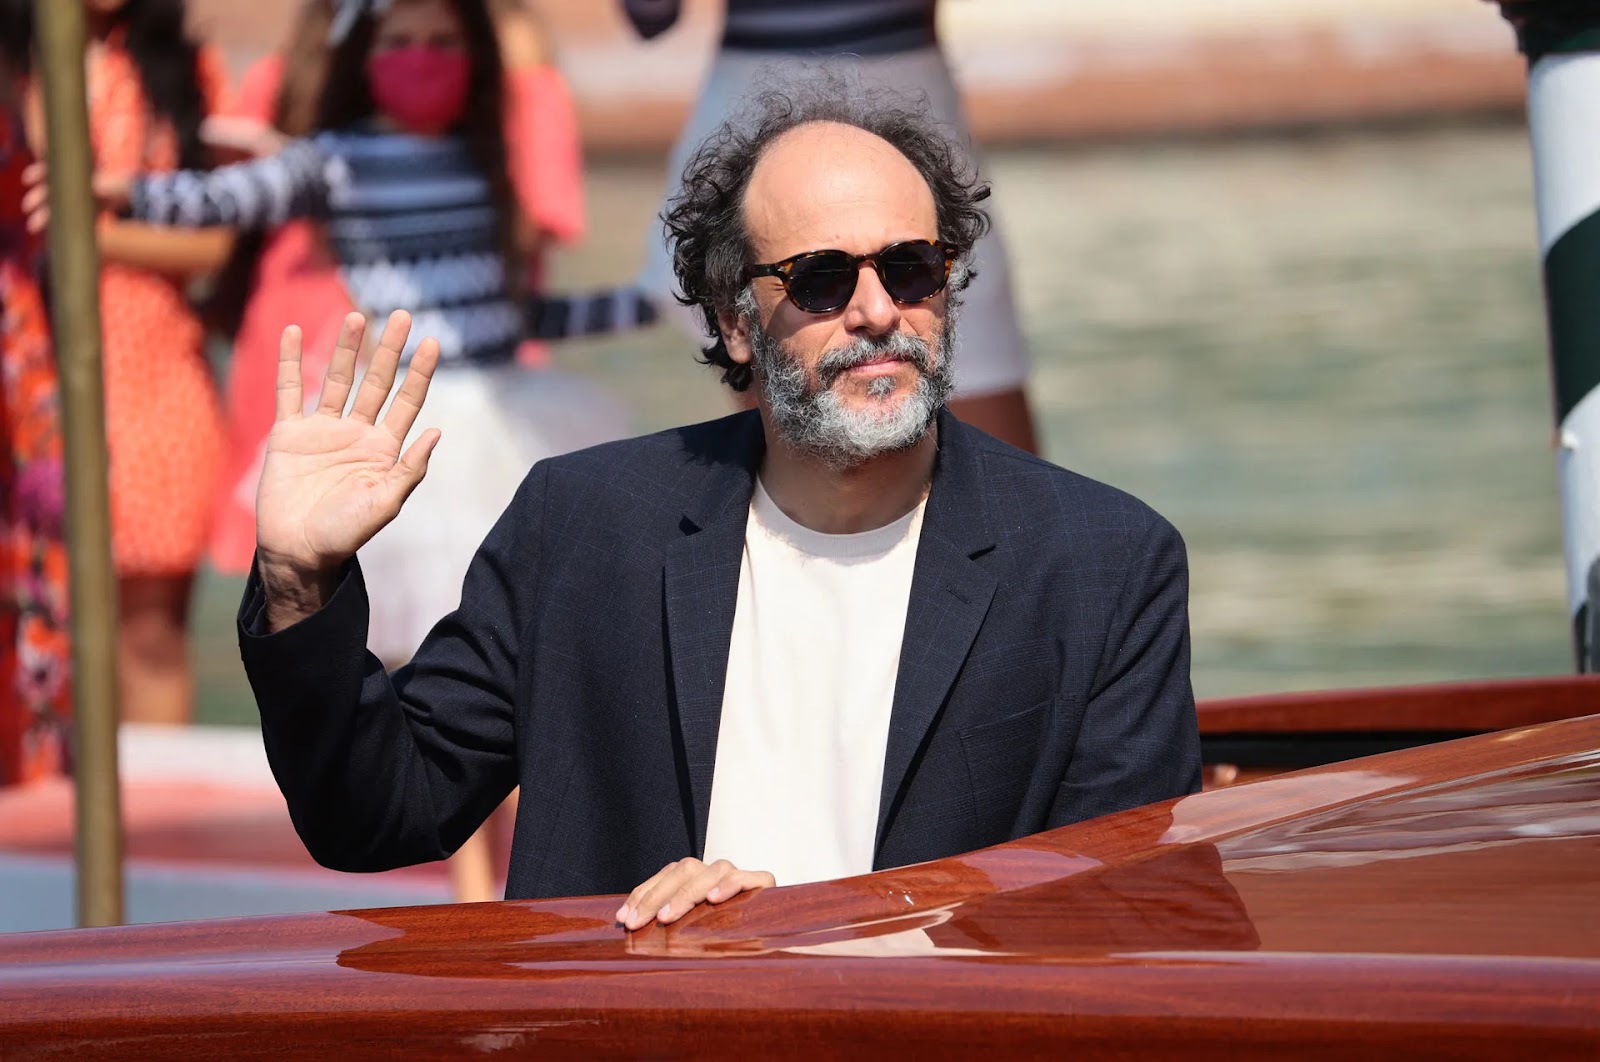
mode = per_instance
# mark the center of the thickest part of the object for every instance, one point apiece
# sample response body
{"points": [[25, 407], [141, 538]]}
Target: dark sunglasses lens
{"points": [[822, 282], [913, 271]]}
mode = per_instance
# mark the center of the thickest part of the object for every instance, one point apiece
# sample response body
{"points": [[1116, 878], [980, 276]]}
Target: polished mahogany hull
{"points": [[1435, 901]]}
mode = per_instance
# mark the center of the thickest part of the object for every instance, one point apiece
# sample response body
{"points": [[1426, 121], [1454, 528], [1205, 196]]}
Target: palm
{"points": [[331, 480], [324, 482]]}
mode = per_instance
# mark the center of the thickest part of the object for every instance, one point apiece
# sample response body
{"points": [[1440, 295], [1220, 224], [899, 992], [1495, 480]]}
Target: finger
{"points": [[692, 891], [739, 881], [379, 377], [413, 390], [644, 909], [289, 385], [413, 464], [35, 197], [641, 890], [646, 900], [39, 220], [342, 367], [33, 173]]}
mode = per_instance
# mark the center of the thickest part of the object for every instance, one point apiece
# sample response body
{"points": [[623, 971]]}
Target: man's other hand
{"points": [[332, 479], [681, 886]]}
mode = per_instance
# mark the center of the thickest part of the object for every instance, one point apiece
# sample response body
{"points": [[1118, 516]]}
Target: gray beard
{"points": [[818, 422]]}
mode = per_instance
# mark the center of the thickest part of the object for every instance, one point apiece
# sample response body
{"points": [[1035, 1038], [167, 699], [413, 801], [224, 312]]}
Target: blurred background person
{"points": [[35, 657], [881, 42], [150, 86], [408, 174], [274, 277], [289, 275]]}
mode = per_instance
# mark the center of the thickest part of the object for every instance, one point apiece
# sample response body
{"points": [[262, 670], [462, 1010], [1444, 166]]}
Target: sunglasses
{"points": [[824, 281]]}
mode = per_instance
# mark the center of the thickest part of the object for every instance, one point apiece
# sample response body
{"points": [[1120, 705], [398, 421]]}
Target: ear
{"points": [[735, 335]]}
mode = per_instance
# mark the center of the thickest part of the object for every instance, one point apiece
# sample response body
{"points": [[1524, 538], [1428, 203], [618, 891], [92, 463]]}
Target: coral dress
{"points": [[163, 418]]}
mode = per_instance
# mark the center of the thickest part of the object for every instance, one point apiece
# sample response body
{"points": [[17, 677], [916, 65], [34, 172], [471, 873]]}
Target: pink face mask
{"points": [[423, 89]]}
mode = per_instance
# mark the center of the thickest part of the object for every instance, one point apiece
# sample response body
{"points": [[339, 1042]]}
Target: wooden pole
{"points": [[75, 321]]}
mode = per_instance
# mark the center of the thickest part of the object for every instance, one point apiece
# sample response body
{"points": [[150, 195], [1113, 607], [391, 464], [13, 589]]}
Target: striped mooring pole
{"points": [[1561, 39]]}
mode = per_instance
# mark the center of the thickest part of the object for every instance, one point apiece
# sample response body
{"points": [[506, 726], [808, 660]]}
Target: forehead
{"points": [[826, 185]]}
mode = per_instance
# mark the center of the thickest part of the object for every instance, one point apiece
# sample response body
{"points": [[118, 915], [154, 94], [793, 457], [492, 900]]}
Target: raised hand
{"points": [[332, 480]]}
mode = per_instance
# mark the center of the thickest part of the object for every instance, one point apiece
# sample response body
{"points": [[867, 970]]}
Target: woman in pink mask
{"points": [[288, 276], [408, 176]]}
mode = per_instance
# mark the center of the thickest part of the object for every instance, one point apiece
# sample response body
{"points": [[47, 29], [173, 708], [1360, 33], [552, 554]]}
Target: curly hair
{"points": [[711, 251]]}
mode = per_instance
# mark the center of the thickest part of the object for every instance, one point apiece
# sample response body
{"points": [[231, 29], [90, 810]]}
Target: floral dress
{"points": [[35, 660]]}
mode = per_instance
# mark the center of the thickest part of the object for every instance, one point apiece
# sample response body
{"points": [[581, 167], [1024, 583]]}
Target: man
{"points": [[883, 42], [840, 633]]}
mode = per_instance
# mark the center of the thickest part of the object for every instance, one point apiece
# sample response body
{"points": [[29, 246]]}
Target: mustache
{"points": [[896, 345]]}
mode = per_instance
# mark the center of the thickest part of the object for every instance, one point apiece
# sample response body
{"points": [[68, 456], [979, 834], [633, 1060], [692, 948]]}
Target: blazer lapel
{"points": [[700, 583], [950, 596]]}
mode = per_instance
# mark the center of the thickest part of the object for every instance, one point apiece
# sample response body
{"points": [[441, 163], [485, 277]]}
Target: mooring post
{"points": [[1561, 39]]}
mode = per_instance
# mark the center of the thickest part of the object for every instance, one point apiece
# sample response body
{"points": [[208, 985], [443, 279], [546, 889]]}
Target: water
{"points": [[1322, 359]]}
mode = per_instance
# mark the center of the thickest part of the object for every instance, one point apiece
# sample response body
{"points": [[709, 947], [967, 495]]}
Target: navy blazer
{"points": [[1044, 672]]}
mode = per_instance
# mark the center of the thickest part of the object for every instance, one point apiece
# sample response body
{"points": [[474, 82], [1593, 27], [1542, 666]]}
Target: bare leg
{"points": [[1003, 414], [155, 681], [472, 868]]}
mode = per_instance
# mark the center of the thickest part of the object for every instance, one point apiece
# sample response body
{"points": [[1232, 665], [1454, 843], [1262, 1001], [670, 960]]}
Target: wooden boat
{"points": [[1436, 900], [1244, 738]]}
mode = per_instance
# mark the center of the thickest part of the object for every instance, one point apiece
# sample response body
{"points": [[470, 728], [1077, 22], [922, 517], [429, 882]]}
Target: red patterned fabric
{"points": [[35, 656]]}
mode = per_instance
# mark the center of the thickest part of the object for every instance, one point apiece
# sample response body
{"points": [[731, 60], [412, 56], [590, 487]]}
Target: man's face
{"points": [[866, 378]]}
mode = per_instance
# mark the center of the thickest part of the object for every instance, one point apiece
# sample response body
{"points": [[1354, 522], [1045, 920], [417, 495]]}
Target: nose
{"points": [[871, 311]]}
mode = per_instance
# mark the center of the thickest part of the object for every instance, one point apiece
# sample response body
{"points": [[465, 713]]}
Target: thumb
{"points": [[413, 464]]}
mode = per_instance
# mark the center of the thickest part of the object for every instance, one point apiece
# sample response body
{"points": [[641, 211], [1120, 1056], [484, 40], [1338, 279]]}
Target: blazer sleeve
{"points": [[1140, 739], [378, 770]]}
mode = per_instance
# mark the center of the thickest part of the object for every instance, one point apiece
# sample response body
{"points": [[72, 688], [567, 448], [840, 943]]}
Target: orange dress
{"points": [[163, 417]]}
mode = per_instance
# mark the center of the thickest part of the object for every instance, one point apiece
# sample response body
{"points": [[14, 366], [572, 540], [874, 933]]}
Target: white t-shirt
{"points": [[810, 683]]}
